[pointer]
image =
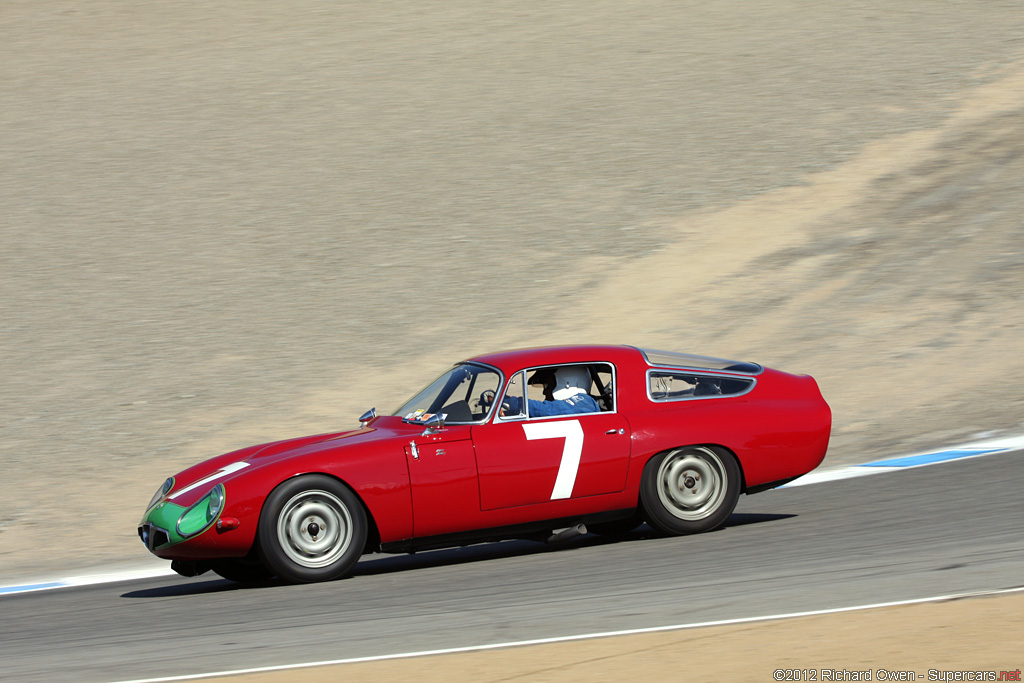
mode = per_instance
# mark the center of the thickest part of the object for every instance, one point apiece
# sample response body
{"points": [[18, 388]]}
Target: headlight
{"points": [[203, 513], [161, 492]]}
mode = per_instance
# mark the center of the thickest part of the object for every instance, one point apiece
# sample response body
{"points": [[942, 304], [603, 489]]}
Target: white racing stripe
{"points": [[569, 639], [974, 450], [218, 474]]}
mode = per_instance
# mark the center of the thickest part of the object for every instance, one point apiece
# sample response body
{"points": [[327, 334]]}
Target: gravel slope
{"points": [[227, 225]]}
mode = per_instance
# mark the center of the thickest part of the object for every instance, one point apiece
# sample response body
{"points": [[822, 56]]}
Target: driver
{"points": [[565, 393]]}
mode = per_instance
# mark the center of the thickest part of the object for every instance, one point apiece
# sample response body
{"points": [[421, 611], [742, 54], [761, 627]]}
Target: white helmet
{"points": [[571, 380]]}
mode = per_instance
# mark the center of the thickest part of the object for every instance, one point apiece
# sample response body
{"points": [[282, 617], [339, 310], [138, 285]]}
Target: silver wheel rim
{"points": [[314, 528], [692, 483]]}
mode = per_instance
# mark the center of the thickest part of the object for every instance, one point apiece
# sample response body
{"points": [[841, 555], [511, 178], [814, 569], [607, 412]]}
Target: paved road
{"points": [[949, 528]]}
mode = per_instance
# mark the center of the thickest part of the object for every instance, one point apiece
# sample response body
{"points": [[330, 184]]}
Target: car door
{"points": [[443, 479], [524, 461]]}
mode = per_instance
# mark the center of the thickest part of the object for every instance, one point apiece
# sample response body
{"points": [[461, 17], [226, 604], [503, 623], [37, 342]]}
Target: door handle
{"points": [[616, 431]]}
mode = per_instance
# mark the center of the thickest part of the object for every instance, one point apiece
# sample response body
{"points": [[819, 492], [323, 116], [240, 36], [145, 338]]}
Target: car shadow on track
{"points": [[744, 518], [212, 584], [517, 548], [481, 552]]}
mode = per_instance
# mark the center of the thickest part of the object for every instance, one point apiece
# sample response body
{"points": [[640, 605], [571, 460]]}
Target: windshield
{"points": [[455, 395]]}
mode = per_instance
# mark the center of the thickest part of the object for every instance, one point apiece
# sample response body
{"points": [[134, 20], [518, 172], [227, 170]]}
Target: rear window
{"points": [[668, 385], [673, 359]]}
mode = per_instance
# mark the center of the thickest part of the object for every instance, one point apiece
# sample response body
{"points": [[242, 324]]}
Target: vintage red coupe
{"points": [[538, 443]]}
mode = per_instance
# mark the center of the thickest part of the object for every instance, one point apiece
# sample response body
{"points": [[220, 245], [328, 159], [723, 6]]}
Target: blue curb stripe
{"points": [[929, 458], [32, 587]]}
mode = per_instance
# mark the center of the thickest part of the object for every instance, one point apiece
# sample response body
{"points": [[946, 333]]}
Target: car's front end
{"points": [[167, 524], [211, 510], [214, 519], [209, 514]]}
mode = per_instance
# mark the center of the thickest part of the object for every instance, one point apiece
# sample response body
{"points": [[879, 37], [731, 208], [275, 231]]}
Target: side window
{"points": [[539, 383], [516, 392], [672, 386], [603, 390], [568, 389]]}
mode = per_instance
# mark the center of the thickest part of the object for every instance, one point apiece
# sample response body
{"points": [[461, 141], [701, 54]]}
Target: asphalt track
{"points": [[915, 533]]}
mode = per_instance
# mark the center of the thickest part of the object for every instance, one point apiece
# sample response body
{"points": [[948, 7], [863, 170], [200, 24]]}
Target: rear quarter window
{"points": [[674, 385]]}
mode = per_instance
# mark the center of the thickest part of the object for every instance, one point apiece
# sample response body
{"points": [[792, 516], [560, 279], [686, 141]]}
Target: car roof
{"points": [[510, 361], [515, 359]]}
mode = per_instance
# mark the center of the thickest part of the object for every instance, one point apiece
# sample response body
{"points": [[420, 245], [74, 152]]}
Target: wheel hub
{"points": [[314, 528], [692, 483]]}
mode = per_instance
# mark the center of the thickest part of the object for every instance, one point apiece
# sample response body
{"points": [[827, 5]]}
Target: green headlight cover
{"points": [[203, 513]]}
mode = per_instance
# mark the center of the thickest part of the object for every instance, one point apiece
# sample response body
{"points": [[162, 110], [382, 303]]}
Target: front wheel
{"points": [[690, 490], [313, 528]]}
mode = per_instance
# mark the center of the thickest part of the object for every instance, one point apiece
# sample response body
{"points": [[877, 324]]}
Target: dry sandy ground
{"points": [[222, 226], [960, 635], [226, 225]]}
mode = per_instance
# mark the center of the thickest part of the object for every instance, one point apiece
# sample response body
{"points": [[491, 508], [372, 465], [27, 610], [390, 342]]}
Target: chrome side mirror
{"points": [[434, 423], [367, 416]]}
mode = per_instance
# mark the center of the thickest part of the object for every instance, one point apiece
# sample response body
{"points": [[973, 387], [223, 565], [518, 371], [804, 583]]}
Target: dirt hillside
{"points": [[226, 224]]}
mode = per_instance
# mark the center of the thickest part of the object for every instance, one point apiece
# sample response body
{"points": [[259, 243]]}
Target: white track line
{"points": [[568, 639], [88, 580], [923, 459]]}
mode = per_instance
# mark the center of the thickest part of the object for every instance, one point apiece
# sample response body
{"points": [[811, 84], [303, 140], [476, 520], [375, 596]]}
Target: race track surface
{"points": [[949, 528]]}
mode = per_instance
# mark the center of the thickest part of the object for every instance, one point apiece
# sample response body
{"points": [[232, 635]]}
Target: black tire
{"points": [[312, 528], [690, 490], [242, 570]]}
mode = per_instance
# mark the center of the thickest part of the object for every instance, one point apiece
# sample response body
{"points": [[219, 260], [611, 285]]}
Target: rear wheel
{"points": [[690, 490], [313, 528]]}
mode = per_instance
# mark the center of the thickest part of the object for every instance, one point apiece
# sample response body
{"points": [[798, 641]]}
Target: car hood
{"points": [[194, 482]]}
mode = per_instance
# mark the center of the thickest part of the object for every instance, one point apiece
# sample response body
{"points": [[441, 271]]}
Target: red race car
{"points": [[539, 443]]}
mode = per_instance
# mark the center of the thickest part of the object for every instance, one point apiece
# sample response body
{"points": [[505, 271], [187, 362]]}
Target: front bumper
{"points": [[158, 528], [153, 537]]}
